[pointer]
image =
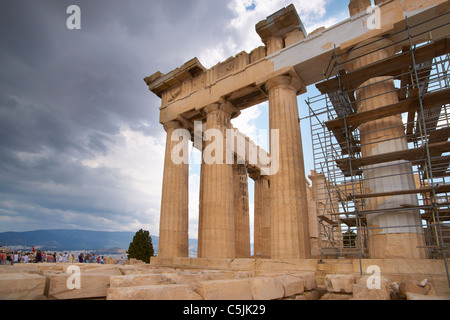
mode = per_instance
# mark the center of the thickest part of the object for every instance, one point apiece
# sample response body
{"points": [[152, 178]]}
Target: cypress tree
{"points": [[141, 248]]}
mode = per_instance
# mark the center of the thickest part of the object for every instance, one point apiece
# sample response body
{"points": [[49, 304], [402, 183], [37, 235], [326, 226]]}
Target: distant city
{"points": [[112, 244]]}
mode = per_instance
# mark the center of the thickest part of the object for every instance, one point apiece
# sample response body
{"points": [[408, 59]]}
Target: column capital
{"points": [[179, 123], [173, 124], [254, 175], [223, 106], [286, 81]]}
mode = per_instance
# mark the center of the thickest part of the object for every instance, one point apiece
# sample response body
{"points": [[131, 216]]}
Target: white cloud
{"points": [[310, 12], [72, 168], [241, 31]]}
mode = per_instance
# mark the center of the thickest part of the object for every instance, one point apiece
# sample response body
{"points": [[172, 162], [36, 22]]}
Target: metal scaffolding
{"points": [[420, 71]]}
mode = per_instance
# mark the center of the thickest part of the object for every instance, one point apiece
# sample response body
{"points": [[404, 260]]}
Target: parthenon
{"points": [[370, 69]]}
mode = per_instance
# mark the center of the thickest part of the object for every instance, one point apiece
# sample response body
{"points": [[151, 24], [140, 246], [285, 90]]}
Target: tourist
{"points": [[101, 260], [60, 258], [9, 259], [2, 258], [38, 257], [71, 258], [54, 256], [16, 257], [81, 257], [26, 258], [50, 258]]}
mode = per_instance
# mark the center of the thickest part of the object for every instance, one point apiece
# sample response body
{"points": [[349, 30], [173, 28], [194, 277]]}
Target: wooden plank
{"points": [[351, 222], [327, 220], [430, 100], [391, 66], [391, 210], [439, 189], [439, 135]]}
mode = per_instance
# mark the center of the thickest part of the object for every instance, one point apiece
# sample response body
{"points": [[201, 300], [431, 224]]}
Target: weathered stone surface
{"points": [[153, 292], [21, 286], [134, 261], [173, 224], [111, 270], [311, 295], [309, 279], [109, 260], [289, 229], [415, 287], [336, 296], [135, 280], [92, 286], [243, 264], [339, 283], [361, 290], [244, 274], [416, 296], [236, 289], [291, 284], [17, 268], [266, 288], [125, 270], [193, 279]]}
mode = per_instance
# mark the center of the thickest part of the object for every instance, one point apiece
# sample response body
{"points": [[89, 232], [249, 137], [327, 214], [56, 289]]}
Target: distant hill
{"points": [[72, 239]]}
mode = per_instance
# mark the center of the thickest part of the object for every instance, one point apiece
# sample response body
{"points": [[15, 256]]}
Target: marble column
{"points": [[241, 211], [289, 237], [173, 227], [274, 44], [261, 241], [217, 196], [391, 239]]}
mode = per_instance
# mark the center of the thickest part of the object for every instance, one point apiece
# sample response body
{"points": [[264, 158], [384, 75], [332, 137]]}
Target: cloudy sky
{"points": [[80, 142]]}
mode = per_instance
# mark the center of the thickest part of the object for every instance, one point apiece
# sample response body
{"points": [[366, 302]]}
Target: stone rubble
{"points": [[151, 282]]}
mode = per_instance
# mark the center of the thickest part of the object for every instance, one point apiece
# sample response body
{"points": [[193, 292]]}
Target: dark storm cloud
{"points": [[66, 94]]}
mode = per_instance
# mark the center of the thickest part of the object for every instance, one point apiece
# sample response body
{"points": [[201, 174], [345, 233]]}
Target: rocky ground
{"points": [[145, 282]]}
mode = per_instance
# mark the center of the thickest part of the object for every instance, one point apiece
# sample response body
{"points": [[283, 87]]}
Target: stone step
{"points": [[335, 267]]}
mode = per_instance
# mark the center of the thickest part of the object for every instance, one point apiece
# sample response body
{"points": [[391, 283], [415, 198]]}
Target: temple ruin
{"points": [[379, 130]]}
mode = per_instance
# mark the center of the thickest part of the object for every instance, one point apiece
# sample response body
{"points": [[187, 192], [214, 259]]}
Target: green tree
{"points": [[141, 248]]}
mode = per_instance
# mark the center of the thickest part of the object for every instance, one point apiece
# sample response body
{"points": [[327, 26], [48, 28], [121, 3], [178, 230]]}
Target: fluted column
{"points": [[378, 137], [261, 246], [217, 209], [241, 211], [173, 227], [289, 210], [274, 44]]}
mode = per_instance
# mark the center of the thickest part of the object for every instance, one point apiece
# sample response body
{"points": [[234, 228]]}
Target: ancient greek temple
{"points": [[371, 68]]}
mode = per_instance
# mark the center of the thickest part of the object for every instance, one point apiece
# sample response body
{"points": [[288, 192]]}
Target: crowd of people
{"points": [[9, 257]]}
